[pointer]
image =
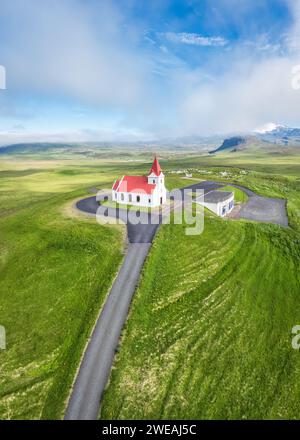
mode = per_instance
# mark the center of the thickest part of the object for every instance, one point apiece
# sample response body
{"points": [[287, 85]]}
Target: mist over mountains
{"points": [[280, 136]]}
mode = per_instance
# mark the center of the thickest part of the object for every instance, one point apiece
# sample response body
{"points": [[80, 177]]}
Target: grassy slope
{"points": [[266, 174], [51, 285], [239, 195], [209, 333], [55, 274]]}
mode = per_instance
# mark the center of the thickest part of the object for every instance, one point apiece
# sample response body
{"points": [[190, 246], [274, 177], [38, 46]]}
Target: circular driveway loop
{"points": [[257, 208], [93, 374]]}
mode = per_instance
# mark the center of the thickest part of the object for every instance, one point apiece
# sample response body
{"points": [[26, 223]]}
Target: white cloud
{"points": [[69, 48], [15, 136], [243, 99], [266, 128], [252, 91], [65, 48], [194, 39]]}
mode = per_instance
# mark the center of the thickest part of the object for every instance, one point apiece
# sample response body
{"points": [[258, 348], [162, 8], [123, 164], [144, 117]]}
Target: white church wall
{"points": [[158, 196], [136, 199]]}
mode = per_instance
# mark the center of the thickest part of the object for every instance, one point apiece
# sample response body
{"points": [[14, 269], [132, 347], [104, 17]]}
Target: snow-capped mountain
{"points": [[279, 134], [270, 126], [270, 137]]}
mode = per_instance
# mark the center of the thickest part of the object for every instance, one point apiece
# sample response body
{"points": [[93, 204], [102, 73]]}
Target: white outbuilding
{"points": [[219, 202]]}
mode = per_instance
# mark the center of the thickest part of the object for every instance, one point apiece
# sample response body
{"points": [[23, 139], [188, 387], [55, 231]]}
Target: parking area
{"points": [[265, 209], [257, 208]]}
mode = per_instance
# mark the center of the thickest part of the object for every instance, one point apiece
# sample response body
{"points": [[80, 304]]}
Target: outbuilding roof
{"points": [[217, 196]]}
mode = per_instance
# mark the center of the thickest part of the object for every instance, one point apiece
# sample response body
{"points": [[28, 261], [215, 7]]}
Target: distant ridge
{"points": [[280, 134], [31, 147], [230, 144]]}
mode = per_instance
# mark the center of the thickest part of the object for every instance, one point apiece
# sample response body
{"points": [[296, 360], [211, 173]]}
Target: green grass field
{"points": [[239, 195], [56, 270], [209, 330], [209, 333], [128, 207]]}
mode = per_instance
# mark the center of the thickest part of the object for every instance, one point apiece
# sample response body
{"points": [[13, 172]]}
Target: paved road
{"points": [[142, 232], [137, 233], [263, 209], [98, 358], [95, 368], [258, 208]]}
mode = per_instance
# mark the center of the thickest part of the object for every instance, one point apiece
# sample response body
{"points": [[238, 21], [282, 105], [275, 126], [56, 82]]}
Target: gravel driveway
{"points": [[263, 209]]}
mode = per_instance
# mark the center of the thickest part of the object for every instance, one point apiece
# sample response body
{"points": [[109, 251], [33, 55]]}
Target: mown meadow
{"points": [[239, 195], [209, 332], [56, 269]]}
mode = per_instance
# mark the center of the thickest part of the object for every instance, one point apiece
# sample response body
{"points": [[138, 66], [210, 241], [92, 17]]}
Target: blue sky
{"points": [[91, 70]]}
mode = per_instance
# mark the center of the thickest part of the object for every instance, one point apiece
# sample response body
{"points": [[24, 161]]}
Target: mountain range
{"points": [[281, 134], [273, 137]]}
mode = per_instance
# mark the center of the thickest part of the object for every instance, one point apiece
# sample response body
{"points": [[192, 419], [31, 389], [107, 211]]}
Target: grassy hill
{"points": [[222, 303], [209, 333], [55, 272], [239, 195]]}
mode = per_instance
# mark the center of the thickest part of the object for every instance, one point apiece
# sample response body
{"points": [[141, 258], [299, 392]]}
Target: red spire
{"points": [[155, 167]]}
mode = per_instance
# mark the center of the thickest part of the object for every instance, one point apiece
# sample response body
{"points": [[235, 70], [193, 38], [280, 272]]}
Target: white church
{"points": [[149, 191]]}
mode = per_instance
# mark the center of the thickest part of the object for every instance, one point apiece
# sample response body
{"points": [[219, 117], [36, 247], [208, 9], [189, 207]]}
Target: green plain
{"points": [[209, 331]]}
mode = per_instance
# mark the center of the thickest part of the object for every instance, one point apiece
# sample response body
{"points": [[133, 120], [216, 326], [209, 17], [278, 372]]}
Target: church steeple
{"points": [[155, 169]]}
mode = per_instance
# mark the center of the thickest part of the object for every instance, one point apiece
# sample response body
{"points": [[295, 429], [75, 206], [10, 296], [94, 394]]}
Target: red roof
{"points": [[135, 184], [115, 185], [155, 167]]}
